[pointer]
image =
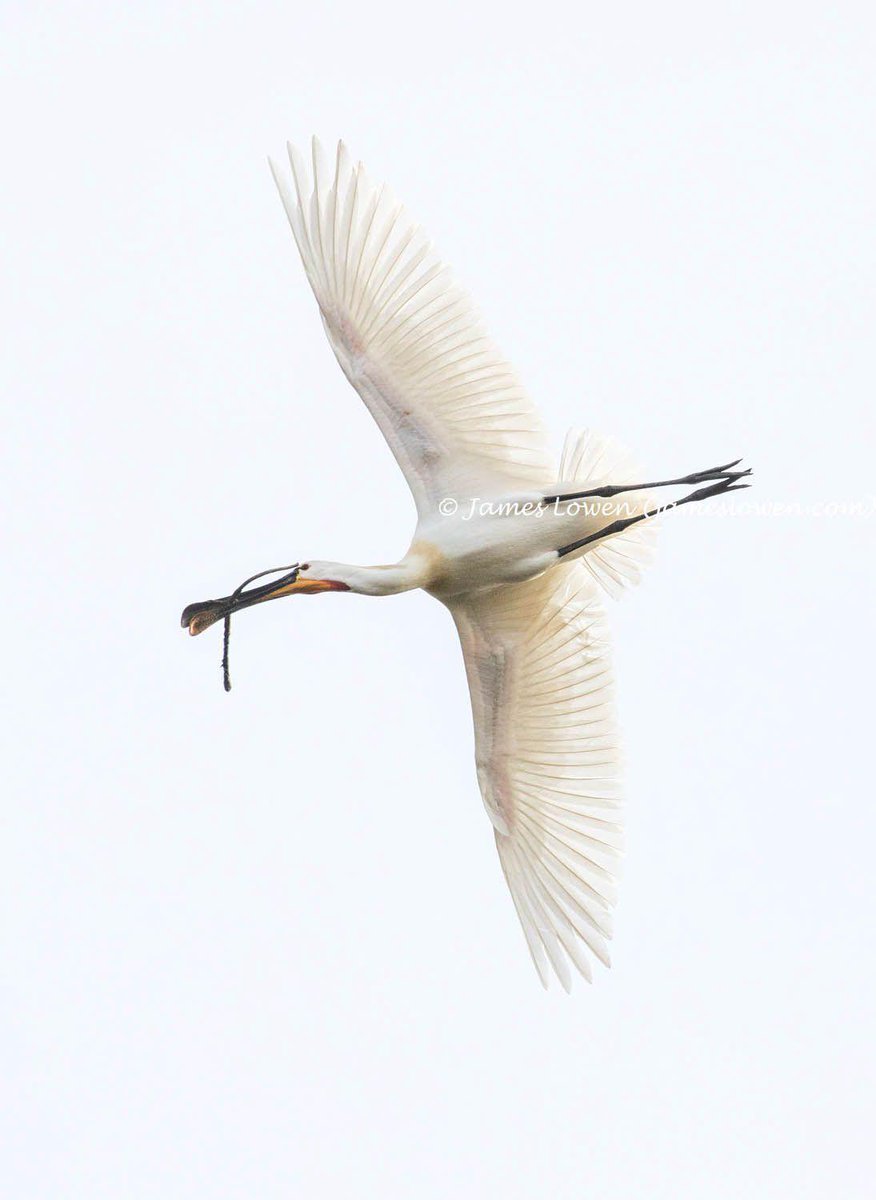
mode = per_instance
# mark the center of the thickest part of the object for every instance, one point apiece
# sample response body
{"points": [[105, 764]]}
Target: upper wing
{"points": [[408, 339], [538, 669]]}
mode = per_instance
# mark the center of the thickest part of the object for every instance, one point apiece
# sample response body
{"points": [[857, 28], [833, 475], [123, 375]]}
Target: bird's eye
{"points": [[304, 567]]}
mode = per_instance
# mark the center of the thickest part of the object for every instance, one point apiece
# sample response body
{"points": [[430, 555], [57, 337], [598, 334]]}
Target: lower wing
{"points": [[546, 747]]}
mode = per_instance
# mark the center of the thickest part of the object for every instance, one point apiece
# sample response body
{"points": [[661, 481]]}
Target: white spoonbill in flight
{"points": [[518, 549]]}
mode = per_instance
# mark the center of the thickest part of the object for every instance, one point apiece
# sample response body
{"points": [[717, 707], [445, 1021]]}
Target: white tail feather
{"points": [[588, 460]]}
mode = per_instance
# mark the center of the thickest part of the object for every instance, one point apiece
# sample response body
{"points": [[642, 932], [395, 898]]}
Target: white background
{"points": [[258, 945]]}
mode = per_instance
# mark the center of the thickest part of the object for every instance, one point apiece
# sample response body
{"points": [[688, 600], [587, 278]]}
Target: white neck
{"points": [[375, 581]]}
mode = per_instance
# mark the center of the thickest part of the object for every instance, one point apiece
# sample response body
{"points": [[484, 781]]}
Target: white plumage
{"points": [[408, 338], [519, 570], [539, 673]]}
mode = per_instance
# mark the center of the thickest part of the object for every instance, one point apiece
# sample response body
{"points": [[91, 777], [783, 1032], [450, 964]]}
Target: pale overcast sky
{"points": [[259, 945]]}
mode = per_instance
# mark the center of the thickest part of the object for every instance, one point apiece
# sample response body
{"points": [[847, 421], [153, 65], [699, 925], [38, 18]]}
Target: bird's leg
{"points": [[725, 484], [713, 474]]}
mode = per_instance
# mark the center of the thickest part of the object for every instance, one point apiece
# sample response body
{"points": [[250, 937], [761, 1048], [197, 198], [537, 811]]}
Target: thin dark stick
{"points": [[226, 677], [235, 595]]}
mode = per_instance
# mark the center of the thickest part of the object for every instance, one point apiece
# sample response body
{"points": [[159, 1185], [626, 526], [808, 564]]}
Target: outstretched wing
{"points": [[546, 747], [408, 339]]}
